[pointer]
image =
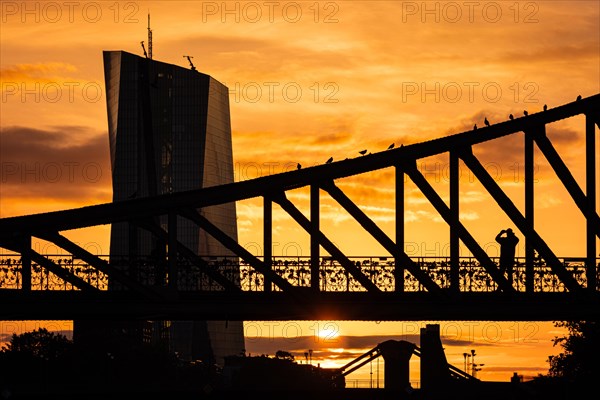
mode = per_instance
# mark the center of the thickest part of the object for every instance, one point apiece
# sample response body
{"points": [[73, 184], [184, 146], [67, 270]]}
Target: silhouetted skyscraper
{"points": [[170, 131]]}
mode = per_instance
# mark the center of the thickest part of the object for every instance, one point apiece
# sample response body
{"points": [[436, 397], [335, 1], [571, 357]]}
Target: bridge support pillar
{"points": [[398, 266], [26, 264], [268, 240], [590, 193], [396, 355], [434, 366], [315, 258], [454, 211], [529, 208]]}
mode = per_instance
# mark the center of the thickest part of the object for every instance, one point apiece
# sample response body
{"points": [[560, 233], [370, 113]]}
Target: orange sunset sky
{"points": [[309, 80]]}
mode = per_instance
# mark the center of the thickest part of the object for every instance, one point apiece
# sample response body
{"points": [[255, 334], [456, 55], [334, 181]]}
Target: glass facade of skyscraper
{"points": [[170, 131]]}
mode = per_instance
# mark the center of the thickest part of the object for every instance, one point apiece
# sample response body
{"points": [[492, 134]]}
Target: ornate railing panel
{"points": [[296, 270]]}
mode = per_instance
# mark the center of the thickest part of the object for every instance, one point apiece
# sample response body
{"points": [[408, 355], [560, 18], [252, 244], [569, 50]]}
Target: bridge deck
{"points": [[302, 305]]}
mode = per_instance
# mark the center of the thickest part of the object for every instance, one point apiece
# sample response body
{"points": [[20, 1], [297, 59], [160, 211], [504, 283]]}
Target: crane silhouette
{"points": [[189, 58]]}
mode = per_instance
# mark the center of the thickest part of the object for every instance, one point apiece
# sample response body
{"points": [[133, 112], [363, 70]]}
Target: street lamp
{"points": [[473, 362]]}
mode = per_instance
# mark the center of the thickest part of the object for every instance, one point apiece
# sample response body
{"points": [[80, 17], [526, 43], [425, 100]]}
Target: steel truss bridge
{"points": [[241, 286]]}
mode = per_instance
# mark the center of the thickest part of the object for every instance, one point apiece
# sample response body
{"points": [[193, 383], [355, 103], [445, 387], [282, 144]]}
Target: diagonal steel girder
{"points": [[190, 256], [98, 263], [517, 218], [214, 231], [125, 210], [383, 239], [326, 243], [360, 361], [60, 272], [567, 179], [445, 212]]}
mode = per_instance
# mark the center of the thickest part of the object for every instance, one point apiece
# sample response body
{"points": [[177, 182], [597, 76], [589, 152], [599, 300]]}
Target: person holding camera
{"points": [[508, 243]]}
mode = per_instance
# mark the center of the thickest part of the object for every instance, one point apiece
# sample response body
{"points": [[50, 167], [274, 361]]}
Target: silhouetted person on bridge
{"points": [[508, 242]]}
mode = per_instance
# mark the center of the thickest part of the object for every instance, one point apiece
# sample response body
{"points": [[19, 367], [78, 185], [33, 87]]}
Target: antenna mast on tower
{"points": [[149, 39]]}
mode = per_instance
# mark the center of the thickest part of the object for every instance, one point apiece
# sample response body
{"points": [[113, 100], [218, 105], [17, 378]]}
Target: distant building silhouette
{"points": [[169, 130]]}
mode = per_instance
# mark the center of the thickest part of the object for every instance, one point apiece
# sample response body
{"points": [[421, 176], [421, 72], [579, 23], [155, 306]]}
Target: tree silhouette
{"points": [[284, 355], [579, 361], [45, 362], [34, 361], [39, 343]]}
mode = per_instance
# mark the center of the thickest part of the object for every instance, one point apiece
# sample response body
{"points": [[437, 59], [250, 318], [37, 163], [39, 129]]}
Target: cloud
{"points": [[331, 138], [61, 163], [301, 343], [49, 71], [258, 52], [472, 196], [354, 344], [555, 53], [422, 215], [504, 157], [564, 135], [501, 368], [310, 144], [469, 216]]}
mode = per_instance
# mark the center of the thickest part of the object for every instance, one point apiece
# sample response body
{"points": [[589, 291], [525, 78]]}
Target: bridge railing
{"points": [[373, 383], [42, 279], [296, 270]]}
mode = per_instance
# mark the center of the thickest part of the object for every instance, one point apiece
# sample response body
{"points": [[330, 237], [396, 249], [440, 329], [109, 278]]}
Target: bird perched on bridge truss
{"points": [[545, 107], [391, 146], [329, 161], [475, 127], [578, 97], [486, 122], [298, 166], [525, 113], [363, 152], [511, 117]]}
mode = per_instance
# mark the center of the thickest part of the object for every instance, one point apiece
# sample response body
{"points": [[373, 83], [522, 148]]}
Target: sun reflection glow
{"points": [[329, 330]]}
